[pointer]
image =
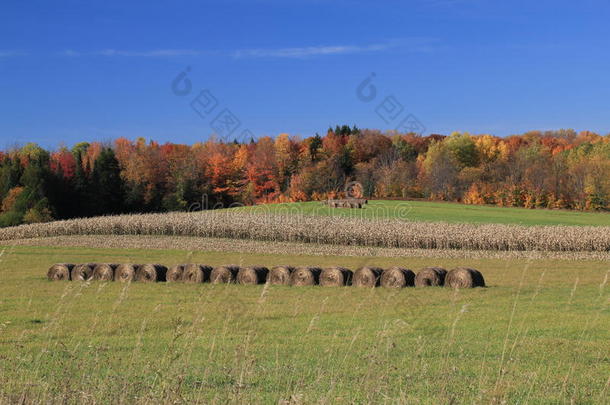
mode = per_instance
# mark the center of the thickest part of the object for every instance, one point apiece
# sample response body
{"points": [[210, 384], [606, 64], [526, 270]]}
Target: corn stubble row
{"points": [[367, 276], [194, 243], [333, 230]]}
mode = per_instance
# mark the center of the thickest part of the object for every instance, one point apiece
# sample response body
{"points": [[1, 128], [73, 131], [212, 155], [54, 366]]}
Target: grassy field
{"points": [[440, 211], [538, 334]]}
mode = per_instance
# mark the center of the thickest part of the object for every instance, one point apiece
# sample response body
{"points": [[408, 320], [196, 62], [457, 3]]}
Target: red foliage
{"points": [[282, 169], [63, 160]]}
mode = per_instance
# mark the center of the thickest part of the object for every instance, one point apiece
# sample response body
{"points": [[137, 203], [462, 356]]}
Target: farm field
{"points": [[538, 334], [330, 230], [184, 215], [430, 211]]}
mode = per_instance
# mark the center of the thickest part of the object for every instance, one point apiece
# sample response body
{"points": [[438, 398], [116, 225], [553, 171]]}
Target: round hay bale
{"points": [[175, 273], [196, 273], [280, 275], [60, 272], [397, 277], [126, 272], [224, 274], [304, 275], [464, 277], [479, 279], [252, 275], [82, 272], [430, 277], [335, 277], [367, 276], [150, 273], [104, 272]]}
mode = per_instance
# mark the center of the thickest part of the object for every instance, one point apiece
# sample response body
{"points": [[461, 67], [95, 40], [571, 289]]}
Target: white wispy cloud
{"points": [[9, 53], [302, 52], [148, 53], [409, 44]]}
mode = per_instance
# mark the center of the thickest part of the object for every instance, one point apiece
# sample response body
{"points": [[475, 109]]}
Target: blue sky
{"points": [[97, 70]]}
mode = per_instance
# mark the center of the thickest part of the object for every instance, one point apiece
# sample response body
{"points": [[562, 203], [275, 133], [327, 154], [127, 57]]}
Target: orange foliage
{"points": [[9, 201]]}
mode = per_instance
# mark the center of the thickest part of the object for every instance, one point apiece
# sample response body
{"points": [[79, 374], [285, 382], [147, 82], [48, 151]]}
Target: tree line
{"points": [[552, 169]]}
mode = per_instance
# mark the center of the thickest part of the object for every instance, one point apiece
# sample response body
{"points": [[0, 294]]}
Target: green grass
{"points": [[538, 334], [441, 211]]}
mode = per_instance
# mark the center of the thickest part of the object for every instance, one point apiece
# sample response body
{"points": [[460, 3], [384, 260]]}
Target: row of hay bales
{"points": [[347, 203], [367, 276]]}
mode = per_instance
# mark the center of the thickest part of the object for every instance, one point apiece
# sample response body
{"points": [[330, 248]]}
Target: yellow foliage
{"points": [[240, 159], [490, 148], [473, 196]]}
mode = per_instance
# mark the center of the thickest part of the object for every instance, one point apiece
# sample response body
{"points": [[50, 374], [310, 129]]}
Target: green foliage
{"points": [[463, 149], [406, 151], [174, 202], [32, 151], [346, 162], [10, 173], [11, 218], [28, 202], [40, 212], [80, 149], [314, 147], [107, 188]]}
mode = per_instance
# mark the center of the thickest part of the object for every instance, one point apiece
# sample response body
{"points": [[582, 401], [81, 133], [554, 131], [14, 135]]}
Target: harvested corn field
{"points": [[162, 242], [330, 230]]}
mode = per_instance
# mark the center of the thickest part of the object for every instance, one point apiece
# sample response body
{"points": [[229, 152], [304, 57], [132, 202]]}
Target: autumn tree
{"points": [[29, 200], [463, 149], [440, 170], [262, 171]]}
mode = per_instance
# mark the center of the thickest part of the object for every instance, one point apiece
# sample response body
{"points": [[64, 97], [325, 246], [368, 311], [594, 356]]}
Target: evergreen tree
{"points": [[107, 192], [81, 188], [10, 175], [314, 147]]}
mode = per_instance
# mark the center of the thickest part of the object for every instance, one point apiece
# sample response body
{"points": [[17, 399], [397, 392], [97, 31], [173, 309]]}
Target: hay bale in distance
{"points": [[464, 277], [60, 272], [150, 273], [224, 274], [175, 273], [126, 272], [367, 276], [280, 275], [82, 272], [397, 277], [252, 275], [335, 277], [302, 276], [104, 272], [430, 277], [196, 273]]}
